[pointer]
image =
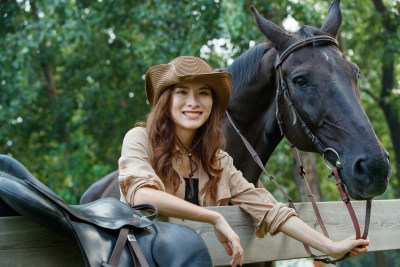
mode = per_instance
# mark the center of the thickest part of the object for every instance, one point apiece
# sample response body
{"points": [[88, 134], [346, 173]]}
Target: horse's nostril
{"points": [[360, 167]]}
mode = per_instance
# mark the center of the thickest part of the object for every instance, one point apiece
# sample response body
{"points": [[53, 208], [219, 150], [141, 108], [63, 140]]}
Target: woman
{"points": [[177, 162]]}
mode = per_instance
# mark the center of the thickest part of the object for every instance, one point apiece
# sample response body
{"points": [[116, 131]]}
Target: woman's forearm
{"points": [[172, 206], [297, 229]]}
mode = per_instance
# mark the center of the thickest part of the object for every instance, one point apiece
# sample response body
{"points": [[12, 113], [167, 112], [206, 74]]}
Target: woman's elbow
{"points": [[144, 195]]}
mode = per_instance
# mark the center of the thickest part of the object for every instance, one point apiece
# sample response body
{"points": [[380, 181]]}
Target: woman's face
{"points": [[191, 106]]}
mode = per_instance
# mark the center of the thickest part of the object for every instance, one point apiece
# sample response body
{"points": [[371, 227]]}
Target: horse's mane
{"points": [[245, 66]]}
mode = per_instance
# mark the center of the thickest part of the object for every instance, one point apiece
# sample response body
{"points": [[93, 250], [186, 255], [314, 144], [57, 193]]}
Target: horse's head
{"points": [[323, 85]]}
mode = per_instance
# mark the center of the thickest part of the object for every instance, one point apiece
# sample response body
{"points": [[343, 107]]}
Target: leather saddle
{"points": [[109, 232]]}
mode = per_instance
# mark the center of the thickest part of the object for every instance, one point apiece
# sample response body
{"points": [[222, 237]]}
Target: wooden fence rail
{"points": [[25, 243]]}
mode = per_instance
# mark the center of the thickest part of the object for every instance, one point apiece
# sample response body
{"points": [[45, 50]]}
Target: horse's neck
{"points": [[253, 85], [252, 108]]}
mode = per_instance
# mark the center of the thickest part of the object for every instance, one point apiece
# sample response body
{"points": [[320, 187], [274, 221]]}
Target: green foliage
{"points": [[391, 258], [72, 78], [71, 74]]}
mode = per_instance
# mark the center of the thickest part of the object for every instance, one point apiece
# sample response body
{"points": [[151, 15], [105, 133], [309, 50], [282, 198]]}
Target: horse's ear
{"points": [[278, 37], [333, 19]]}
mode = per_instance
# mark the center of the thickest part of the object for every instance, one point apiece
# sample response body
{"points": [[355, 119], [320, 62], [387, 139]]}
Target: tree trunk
{"points": [[379, 259], [390, 110], [46, 73], [319, 264], [309, 164]]}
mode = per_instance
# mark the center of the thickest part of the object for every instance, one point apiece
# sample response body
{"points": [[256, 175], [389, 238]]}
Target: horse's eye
{"points": [[300, 81]]}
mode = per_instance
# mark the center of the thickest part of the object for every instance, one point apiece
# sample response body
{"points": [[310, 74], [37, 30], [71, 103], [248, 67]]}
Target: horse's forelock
{"points": [[308, 32], [245, 67]]}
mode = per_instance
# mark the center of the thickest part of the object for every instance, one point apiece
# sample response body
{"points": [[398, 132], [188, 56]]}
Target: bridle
{"points": [[283, 92], [282, 89]]}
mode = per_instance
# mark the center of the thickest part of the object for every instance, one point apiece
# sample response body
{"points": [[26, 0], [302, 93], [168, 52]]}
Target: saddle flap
{"points": [[17, 170], [110, 213], [25, 201]]}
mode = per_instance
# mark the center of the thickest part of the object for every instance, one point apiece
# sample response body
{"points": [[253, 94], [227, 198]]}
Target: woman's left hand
{"points": [[356, 247]]}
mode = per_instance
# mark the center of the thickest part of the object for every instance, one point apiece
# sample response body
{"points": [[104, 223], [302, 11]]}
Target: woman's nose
{"points": [[192, 99]]}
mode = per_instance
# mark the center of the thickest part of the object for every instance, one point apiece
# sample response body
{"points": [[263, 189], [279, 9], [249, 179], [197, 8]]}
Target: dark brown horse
{"points": [[323, 85]]}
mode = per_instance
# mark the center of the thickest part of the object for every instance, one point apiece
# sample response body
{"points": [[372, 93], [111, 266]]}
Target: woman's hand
{"points": [[297, 229], [172, 206], [229, 240], [356, 247]]}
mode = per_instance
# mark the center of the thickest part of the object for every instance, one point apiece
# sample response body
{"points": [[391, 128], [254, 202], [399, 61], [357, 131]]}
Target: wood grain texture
{"points": [[384, 232], [24, 242]]}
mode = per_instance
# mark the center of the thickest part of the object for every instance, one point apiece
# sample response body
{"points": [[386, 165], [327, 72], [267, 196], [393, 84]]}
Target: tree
{"points": [[72, 72], [72, 78], [388, 101]]}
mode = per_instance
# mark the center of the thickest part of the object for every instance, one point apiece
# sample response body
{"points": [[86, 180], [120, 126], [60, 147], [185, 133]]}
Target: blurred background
{"points": [[72, 78]]}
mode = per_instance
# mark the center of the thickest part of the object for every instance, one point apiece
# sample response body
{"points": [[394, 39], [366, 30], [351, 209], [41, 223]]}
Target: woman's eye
{"points": [[181, 92], [300, 81]]}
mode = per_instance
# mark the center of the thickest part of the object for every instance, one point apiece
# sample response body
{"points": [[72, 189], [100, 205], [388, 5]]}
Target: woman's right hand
{"points": [[229, 240], [172, 206]]}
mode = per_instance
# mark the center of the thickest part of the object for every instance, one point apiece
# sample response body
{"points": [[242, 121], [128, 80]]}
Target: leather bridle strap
{"points": [[302, 173], [345, 198], [282, 87], [342, 192], [257, 159], [310, 41]]}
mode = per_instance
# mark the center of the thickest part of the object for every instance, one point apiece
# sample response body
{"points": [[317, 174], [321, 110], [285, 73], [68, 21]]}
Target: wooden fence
{"points": [[25, 243]]}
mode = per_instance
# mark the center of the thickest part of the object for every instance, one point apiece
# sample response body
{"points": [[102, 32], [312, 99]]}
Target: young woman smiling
{"points": [[177, 161]]}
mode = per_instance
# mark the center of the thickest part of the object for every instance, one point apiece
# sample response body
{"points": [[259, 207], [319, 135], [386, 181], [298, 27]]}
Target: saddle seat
{"points": [[97, 225]]}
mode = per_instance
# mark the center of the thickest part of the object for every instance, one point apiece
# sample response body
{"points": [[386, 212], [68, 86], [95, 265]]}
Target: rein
{"points": [[283, 89]]}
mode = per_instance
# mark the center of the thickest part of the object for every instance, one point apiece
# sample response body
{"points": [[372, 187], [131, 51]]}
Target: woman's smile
{"points": [[192, 115]]}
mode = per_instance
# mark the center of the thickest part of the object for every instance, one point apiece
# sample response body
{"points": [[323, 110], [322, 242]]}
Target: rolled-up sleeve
{"points": [[258, 202], [135, 168]]}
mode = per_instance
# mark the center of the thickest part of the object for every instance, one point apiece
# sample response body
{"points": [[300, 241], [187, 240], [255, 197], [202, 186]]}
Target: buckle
{"points": [[131, 237]]}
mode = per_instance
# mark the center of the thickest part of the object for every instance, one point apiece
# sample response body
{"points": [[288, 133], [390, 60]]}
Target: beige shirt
{"points": [[136, 171]]}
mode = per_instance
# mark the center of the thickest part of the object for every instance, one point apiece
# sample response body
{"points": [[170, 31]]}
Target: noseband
{"points": [[283, 92]]}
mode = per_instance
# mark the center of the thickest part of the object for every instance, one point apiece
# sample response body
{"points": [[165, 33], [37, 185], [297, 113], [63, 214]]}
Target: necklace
{"points": [[191, 163]]}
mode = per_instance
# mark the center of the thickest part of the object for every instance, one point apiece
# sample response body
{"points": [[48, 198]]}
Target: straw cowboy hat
{"points": [[188, 69]]}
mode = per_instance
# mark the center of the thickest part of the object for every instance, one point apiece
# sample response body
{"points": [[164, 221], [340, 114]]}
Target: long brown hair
{"points": [[209, 140]]}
